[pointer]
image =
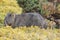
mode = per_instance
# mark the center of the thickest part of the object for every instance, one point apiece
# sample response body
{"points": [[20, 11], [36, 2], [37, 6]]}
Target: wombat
{"points": [[25, 19]]}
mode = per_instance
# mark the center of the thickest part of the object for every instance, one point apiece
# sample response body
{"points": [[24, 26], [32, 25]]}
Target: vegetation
{"points": [[45, 8], [30, 33], [31, 5]]}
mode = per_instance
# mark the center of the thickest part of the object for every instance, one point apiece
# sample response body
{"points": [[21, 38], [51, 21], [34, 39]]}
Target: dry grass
{"points": [[29, 33]]}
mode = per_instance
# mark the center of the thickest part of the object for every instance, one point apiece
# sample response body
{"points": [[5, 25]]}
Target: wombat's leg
{"points": [[15, 23], [5, 23], [44, 26]]}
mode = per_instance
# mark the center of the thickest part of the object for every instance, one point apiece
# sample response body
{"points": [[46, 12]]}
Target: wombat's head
{"points": [[9, 19]]}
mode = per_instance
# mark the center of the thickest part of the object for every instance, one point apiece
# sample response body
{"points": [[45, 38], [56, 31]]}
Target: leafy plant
{"points": [[31, 5]]}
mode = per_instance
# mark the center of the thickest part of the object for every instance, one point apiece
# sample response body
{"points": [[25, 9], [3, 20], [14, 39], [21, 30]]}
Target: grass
{"points": [[29, 33]]}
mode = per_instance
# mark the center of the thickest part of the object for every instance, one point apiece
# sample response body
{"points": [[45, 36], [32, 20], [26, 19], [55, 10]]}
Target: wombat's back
{"points": [[36, 19]]}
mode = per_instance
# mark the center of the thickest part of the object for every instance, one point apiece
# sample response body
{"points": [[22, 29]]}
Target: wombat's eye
{"points": [[10, 15]]}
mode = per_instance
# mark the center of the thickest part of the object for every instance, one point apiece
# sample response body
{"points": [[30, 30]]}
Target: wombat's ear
{"points": [[14, 15]]}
